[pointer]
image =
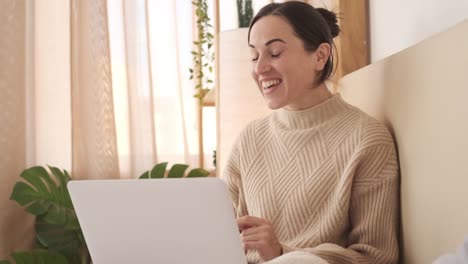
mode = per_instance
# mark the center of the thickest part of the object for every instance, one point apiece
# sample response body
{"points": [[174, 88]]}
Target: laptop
{"points": [[167, 221]]}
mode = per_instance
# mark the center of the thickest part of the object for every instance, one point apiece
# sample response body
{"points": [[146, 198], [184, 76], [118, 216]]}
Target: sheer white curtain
{"points": [[155, 112], [132, 100]]}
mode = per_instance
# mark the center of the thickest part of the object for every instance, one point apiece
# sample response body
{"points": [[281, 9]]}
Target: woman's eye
{"points": [[255, 59], [275, 55]]}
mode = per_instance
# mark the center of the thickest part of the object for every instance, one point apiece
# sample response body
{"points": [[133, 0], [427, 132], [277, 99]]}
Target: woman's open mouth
{"points": [[270, 85]]}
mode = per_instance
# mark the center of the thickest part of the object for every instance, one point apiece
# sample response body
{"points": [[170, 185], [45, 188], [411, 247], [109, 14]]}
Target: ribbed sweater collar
{"points": [[313, 116]]}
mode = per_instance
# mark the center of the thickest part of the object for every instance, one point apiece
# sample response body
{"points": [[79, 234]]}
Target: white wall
{"points": [[228, 10], [398, 24]]}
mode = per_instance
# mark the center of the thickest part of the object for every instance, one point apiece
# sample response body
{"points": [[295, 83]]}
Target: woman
{"points": [[317, 180]]}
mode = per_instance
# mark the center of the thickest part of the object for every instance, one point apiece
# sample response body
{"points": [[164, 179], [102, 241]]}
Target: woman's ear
{"points": [[322, 54]]}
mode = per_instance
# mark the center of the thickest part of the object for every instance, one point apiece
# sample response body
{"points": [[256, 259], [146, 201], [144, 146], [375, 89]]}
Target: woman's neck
{"points": [[314, 97]]}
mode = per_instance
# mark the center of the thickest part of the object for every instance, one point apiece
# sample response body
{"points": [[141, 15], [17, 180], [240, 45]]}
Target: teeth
{"points": [[268, 84]]}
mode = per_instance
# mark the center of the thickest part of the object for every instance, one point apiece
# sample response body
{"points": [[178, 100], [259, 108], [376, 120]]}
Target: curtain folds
{"points": [[150, 52], [94, 145], [132, 100]]}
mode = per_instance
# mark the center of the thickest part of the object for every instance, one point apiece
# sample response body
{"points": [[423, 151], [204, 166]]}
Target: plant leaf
{"points": [[38, 256], [57, 238], [44, 198], [145, 175], [177, 171], [34, 177], [158, 171], [25, 194], [198, 173], [63, 180]]}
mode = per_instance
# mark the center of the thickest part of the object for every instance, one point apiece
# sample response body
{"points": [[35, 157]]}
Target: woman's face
{"points": [[284, 71]]}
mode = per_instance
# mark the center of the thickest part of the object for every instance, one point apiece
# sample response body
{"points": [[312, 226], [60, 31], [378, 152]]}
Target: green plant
{"points": [[37, 256], [203, 54], [57, 227], [176, 171], [244, 12], [59, 239]]}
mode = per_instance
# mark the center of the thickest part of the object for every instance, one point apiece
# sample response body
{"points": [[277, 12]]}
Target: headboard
{"points": [[421, 94]]}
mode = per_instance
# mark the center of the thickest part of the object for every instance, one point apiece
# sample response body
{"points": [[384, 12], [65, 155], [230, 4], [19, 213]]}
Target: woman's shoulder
{"points": [[250, 131], [256, 125], [372, 130]]}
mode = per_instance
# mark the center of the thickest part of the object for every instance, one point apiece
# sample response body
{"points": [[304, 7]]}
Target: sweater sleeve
{"points": [[232, 177], [231, 174], [373, 212]]}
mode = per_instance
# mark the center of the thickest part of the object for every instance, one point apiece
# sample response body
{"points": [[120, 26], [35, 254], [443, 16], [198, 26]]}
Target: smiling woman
{"points": [[317, 180], [281, 59]]}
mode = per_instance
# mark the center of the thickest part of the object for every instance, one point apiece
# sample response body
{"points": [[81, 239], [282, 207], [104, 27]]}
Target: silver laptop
{"points": [[164, 221]]}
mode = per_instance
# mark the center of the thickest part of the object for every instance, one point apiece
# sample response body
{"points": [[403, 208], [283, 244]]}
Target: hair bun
{"points": [[332, 21]]}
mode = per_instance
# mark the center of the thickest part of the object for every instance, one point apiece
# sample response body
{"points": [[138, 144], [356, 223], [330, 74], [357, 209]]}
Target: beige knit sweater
{"points": [[327, 178]]}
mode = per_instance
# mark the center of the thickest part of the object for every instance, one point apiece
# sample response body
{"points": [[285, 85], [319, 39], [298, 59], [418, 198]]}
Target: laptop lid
{"points": [[158, 221]]}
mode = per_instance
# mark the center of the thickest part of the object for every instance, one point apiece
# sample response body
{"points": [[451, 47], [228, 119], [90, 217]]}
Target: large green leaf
{"points": [[47, 197], [37, 256], [177, 171], [158, 171], [63, 178], [198, 173], [42, 197], [57, 238]]}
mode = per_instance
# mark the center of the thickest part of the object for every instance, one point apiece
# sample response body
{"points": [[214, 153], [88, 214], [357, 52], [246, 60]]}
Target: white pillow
{"points": [[460, 257]]}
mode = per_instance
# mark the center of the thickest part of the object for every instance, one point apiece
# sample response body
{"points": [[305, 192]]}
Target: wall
{"points": [[398, 24], [240, 100], [421, 95], [228, 10]]}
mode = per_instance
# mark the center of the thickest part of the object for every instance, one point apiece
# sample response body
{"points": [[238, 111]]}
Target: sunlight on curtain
{"points": [[94, 144], [132, 92], [155, 112], [170, 28]]}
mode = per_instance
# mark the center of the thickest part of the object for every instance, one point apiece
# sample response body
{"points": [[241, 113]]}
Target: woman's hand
{"points": [[258, 234]]}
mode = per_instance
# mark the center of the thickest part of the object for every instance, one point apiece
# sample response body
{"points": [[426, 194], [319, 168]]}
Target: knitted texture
{"points": [[326, 177]]}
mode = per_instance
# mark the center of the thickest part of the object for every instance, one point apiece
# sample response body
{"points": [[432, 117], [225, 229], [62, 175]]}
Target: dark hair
{"points": [[313, 26]]}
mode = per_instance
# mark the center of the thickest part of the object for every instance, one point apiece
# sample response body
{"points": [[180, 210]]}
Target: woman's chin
{"points": [[273, 104]]}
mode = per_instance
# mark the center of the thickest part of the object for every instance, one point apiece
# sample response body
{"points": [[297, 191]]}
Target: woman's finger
{"points": [[246, 222], [257, 229], [255, 237]]}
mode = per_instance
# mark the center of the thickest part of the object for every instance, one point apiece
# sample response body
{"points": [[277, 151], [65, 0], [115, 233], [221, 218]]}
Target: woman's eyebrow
{"points": [[269, 42]]}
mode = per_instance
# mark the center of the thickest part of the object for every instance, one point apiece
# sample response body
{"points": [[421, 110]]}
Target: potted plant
{"points": [[203, 54], [59, 239], [244, 12]]}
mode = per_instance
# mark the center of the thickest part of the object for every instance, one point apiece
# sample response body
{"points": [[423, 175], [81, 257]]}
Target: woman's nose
{"points": [[262, 66]]}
